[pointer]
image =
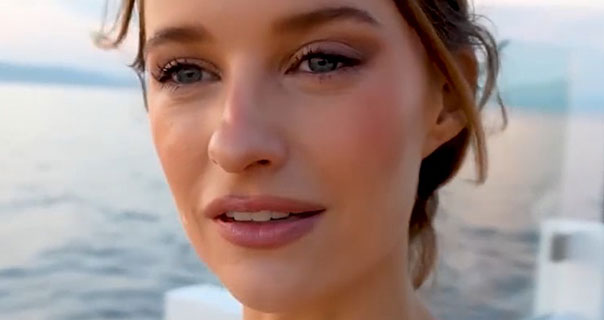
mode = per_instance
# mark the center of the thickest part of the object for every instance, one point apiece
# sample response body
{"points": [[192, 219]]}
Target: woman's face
{"points": [[328, 102]]}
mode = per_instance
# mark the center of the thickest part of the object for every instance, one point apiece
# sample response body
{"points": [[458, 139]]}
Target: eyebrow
{"points": [[292, 24], [187, 33], [308, 20]]}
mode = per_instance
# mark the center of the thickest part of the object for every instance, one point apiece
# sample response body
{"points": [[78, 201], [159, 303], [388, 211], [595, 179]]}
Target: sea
{"points": [[89, 231]]}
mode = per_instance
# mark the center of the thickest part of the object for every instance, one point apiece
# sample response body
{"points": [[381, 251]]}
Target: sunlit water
{"points": [[89, 230]]}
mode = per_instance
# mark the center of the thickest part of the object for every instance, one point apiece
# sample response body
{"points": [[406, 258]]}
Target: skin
{"points": [[351, 139]]}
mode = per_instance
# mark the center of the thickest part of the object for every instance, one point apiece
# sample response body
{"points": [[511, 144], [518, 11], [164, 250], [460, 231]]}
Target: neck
{"points": [[384, 293]]}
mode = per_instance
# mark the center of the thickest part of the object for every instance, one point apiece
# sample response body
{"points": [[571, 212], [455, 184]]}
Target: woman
{"points": [[304, 141]]}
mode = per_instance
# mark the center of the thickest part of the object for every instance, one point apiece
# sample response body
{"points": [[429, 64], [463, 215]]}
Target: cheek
{"points": [[375, 136], [181, 145], [369, 154]]}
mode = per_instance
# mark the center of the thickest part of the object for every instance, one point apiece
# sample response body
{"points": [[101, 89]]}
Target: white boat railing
{"points": [[201, 302], [570, 269]]}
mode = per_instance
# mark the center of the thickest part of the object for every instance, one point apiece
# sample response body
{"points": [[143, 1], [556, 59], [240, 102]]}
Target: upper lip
{"points": [[221, 205]]}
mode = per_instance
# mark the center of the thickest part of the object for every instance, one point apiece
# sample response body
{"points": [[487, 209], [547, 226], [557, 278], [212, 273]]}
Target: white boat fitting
{"points": [[570, 269], [203, 301]]}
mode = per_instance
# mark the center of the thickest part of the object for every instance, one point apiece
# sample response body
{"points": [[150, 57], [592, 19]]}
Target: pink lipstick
{"points": [[263, 221]]}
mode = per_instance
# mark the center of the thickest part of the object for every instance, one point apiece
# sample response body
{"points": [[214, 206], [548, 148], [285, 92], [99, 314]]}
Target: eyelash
{"points": [[163, 73], [310, 53]]}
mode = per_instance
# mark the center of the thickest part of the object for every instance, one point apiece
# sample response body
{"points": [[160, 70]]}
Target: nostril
{"points": [[264, 162]]}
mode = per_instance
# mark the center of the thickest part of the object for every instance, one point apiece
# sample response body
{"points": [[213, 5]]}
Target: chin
{"points": [[268, 295], [271, 288]]}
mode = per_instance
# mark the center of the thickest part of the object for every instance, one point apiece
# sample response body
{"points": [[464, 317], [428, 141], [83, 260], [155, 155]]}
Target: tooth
{"points": [[242, 216], [261, 216], [279, 215]]}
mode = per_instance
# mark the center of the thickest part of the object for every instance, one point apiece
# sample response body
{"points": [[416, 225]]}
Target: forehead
{"points": [[246, 16]]}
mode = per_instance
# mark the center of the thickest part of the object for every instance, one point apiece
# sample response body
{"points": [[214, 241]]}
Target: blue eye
{"points": [[187, 74], [319, 62], [183, 72]]}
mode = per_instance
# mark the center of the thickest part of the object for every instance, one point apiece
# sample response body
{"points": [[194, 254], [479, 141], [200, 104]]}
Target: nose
{"points": [[248, 135]]}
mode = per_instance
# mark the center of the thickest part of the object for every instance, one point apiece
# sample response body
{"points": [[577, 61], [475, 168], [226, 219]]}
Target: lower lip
{"points": [[266, 235]]}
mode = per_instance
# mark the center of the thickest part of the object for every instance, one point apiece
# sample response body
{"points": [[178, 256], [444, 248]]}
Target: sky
{"points": [[55, 32], [58, 32], [584, 3]]}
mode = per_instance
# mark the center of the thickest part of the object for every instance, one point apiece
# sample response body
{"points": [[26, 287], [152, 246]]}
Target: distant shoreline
{"points": [[17, 83], [61, 76]]}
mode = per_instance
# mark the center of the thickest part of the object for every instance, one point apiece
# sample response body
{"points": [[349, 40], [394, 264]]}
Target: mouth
{"points": [[263, 222], [265, 216]]}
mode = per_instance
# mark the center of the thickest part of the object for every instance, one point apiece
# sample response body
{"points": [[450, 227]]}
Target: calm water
{"points": [[89, 230]]}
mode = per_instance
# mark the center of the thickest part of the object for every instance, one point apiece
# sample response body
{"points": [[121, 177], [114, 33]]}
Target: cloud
{"points": [[549, 3], [573, 28], [55, 32]]}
